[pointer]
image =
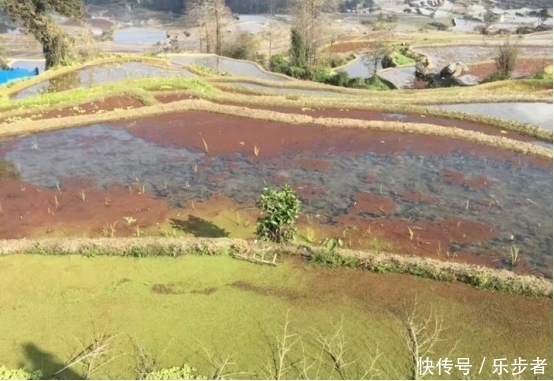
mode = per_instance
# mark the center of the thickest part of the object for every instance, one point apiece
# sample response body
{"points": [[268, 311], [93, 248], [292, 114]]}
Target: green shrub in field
{"points": [[244, 47], [19, 374], [340, 79], [401, 59], [186, 372], [282, 208], [279, 64], [329, 258], [496, 76], [335, 61], [299, 72]]}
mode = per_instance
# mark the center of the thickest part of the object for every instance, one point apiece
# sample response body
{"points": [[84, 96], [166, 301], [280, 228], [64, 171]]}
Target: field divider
{"points": [[474, 275]]}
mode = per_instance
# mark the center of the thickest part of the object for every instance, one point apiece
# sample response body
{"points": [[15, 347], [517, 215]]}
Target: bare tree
{"points": [[421, 333], [280, 365], [220, 364], [93, 355], [323, 355], [506, 58], [210, 16], [374, 55], [269, 34], [310, 18], [337, 354]]}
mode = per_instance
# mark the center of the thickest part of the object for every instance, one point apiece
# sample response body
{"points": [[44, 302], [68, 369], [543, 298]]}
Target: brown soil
{"points": [[371, 178], [370, 203], [409, 118], [524, 67], [459, 178], [418, 84], [227, 135], [352, 46], [168, 98], [417, 197], [30, 211], [104, 105], [309, 191], [430, 238]]}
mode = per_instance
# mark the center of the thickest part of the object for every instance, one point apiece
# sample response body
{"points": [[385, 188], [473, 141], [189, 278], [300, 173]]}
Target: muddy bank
{"points": [[524, 67], [454, 177], [435, 239], [168, 98], [347, 45]]}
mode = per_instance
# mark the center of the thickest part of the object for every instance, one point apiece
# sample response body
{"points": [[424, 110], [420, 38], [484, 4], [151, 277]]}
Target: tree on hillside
{"points": [[373, 57], [34, 18], [269, 33], [309, 18], [506, 59], [298, 51], [210, 16]]}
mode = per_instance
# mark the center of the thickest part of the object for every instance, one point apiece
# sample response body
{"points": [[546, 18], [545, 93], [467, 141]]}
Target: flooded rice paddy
{"points": [[462, 201], [94, 75], [233, 67], [402, 77], [538, 114], [359, 68], [445, 55]]}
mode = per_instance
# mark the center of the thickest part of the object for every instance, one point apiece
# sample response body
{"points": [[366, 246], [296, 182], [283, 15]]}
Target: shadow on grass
{"points": [[199, 227], [47, 362]]}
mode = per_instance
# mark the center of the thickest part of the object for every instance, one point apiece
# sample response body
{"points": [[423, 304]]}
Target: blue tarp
{"points": [[10, 75]]}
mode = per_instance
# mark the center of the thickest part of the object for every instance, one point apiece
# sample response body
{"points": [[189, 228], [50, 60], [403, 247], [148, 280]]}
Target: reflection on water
{"points": [[237, 68], [401, 77], [139, 35], [360, 68], [539, 114], [522, 195], [94, 75]]}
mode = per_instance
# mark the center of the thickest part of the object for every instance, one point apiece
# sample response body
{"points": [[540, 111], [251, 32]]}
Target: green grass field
{"points": [[174, 307], [401, 59]]}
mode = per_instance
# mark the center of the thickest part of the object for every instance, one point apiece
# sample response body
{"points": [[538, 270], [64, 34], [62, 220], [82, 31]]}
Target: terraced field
{"points": [[130, 151]]}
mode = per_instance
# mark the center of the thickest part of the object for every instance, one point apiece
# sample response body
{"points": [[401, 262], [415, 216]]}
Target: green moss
{"points": [[401, 59], [332, 260], [174, 307], [19, 374], [130, 86]]}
